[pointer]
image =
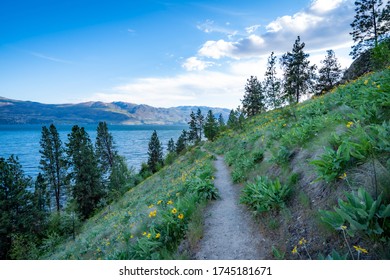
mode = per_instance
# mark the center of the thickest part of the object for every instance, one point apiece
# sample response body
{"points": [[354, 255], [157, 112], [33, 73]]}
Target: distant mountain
{"points": [[28, 112]]}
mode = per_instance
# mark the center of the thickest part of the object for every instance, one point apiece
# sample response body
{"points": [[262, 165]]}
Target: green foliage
{"points": [[359, 213], [258, 156], [264, 194], [333, 256], [211, 126], [329, 73], [278, 254], [272, 85], [155, 153], [281, 155], [53, 163], [203, 188], [253, 102], [381, 55], [87, 189], [332, 163]]}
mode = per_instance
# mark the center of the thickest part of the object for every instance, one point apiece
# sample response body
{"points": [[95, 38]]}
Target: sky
{"points": [[163, 53]]}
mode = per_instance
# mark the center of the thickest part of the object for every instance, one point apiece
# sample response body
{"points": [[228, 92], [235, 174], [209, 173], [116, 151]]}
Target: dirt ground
{"points": [[229, 231]]}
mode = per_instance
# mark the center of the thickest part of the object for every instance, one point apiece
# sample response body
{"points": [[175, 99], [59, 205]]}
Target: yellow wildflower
{"points": [[365, 82], [158, 235], [149, 235], [144, 233], [181, 216], [378, 86], [342, 177], [295, 250], [174, 211], [360, 249], [150, 206], [349, 124], [302, 241], [131, 236], [153, 214], [343, 227], [170, 202], [159, 202]]}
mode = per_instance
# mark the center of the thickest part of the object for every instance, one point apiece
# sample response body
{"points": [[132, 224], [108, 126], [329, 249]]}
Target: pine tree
{"points": [[53, 162], [171, 146], [193, 129], [371, 24], [253, 102], [16, 204], [221, 122], [87, 190], [181, 142], [199, 124], [329, 73], [233, 119], [104, 147], [155, 153], [272, 85], [298, 74], [211, 126]]}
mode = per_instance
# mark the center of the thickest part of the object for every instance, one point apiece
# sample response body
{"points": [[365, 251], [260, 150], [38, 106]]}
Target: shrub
{"points": [[264, 194], [204, 189], [359, 213], [332, 163]]}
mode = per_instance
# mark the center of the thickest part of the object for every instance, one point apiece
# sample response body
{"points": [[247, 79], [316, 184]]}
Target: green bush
{"points": [[332, 163], [264, 194], [359, 213], [204, 189]]}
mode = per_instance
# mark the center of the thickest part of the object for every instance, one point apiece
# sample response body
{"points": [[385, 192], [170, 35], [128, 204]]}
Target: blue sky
{"points": [[161, 53]]}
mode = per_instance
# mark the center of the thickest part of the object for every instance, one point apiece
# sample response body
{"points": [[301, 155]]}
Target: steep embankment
{"points": [[328, 171]]}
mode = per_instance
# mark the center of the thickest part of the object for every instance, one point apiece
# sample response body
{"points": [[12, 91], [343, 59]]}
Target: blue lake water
{"points": [[130, 141]]}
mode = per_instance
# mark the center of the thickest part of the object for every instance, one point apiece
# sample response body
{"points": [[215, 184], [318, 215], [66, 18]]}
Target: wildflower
{"points": [[360, 249], [284, 125], [153, 214], [378, 86], [365, 82], [144, 233], [150, 206], [170, 202], [174, 211], [181, 216], [131, 236], [342, 177], [343, 227], [158, 235], [302, 241], [159, 202], [149, 235], [349, 124], [295, 250]]}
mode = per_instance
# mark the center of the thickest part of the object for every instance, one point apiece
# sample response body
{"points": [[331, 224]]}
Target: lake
{"points": [[130, 141]]}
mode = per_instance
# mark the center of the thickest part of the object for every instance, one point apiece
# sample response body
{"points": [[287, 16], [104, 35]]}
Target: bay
{"points": [[130, 141]]}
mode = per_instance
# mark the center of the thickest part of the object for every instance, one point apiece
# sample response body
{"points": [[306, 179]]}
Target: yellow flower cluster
{"points": [[174, 211], [342, 177], [360, 249], [153, 214], [349, 124]]}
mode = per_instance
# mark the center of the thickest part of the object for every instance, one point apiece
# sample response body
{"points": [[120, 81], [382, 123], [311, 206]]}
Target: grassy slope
{"points": [[143, 223], [282, 143]]}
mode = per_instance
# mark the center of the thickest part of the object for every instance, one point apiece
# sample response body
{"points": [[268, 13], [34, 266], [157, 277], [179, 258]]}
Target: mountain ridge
{"points": [[30, 112]]}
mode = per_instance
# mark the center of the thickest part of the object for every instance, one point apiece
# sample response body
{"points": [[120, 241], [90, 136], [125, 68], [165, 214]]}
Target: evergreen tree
{"points": [[221, 122], [329, 73], [272, 85], [253, 102], [104, 147], [193, 129], [211, 126], [199, 124], [371, 24], [53, 162], [233, 119], [298, 74], [85, 175], [119, 178], [171, 146], [155, 153], [181, 142], [16, 205]]}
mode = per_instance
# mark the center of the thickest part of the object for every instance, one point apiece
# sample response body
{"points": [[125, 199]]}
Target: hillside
{"points": [[27, 112], [315, 176]]}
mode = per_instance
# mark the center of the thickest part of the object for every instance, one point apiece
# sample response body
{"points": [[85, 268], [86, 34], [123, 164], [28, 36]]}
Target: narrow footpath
{"points": [[229, 230]]}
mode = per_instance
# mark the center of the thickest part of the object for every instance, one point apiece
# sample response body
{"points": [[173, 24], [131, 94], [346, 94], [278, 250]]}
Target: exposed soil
{"points": [[229, 231]]}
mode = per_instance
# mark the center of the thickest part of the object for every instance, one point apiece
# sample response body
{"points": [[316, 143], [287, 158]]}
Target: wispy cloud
{"points": [[51, 58], [195, 64]]}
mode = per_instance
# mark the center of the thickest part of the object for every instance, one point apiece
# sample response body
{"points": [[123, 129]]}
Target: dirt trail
{"points": [[229, 231]]}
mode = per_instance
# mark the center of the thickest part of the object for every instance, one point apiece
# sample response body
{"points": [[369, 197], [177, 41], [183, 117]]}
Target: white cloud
{"points": [[325, 6], [252, 29], [195, 64], [297, 23], [217, 49]]}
